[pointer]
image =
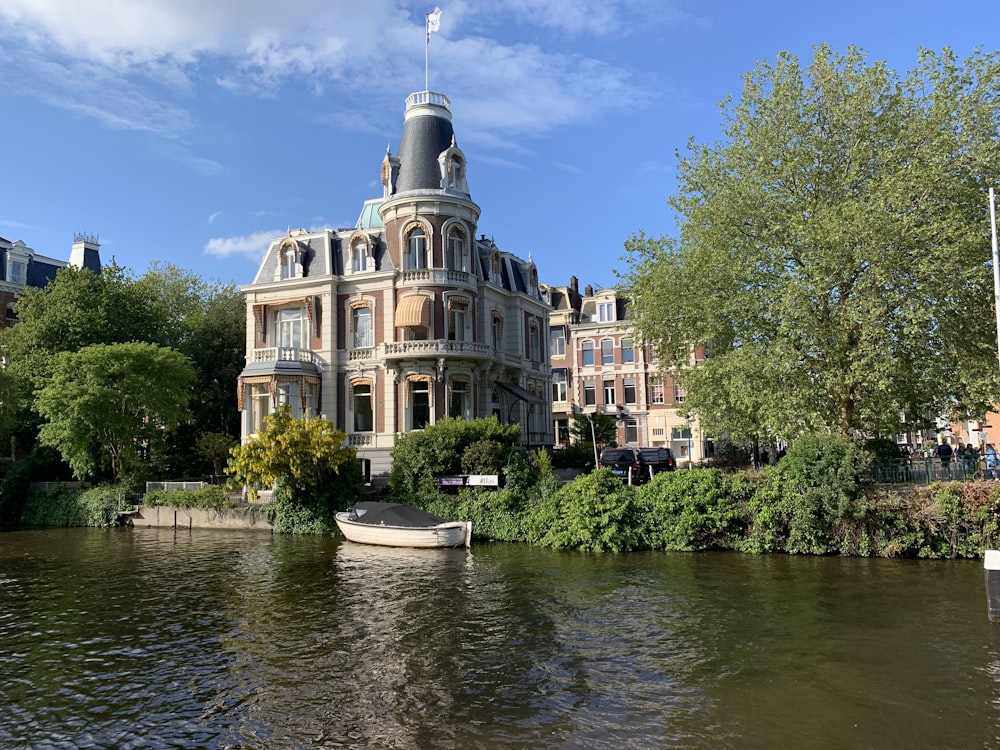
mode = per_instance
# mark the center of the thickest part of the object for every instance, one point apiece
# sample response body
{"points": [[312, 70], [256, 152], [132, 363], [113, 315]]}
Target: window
{"points": [[628, 353], [420, 404], [656, 391], [589, 393], [498, 333], [260, 405], [680, 393], [457, 316], [288, 395], [628, 386], [587, 350], [361, 320], [288, 263], [359, 256], [454, 259], [363, 416], [17, 272], [458, 403], [631, 431], [557, 341], [657, 432], [558, 385], [495, 275], [605, 312], [416, 249], [291, 327], [680, 433], [534, 343], [456, 173], [607, 352], [312, 399], [609, 392]]}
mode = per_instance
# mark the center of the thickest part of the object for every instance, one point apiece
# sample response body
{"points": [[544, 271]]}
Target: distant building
{"points": [[403, 319], [21, 267], [597, 366]]}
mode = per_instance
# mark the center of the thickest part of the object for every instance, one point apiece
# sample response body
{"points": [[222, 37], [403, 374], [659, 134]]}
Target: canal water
{"points": [[154, 638]]}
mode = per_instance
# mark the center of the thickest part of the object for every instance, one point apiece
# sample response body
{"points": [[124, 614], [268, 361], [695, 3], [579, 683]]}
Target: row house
{"points": [[597, 366], [21, 267], [403, 319]]}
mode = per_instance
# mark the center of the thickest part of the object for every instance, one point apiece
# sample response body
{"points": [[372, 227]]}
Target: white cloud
{"points": [[251, 246], [140, 65], [212, 217]]}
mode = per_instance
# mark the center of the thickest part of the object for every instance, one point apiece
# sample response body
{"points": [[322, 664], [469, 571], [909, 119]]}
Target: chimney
{"points": [[574, 284], [86, 252], [588, 291]]}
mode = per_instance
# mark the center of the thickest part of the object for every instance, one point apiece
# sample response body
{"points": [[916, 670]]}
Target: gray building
{"points": [[405, 318]]}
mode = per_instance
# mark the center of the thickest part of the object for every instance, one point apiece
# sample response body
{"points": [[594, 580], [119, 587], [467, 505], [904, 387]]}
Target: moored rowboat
{"points": [[397, 525]]}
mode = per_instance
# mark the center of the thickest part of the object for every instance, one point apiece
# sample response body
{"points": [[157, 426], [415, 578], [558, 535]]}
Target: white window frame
{"points": [[362, 403], [416, 249], [363, 335], [291, 326]]}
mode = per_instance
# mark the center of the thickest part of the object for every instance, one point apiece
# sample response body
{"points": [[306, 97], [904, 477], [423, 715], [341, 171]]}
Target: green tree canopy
{"points": [[421, 456], [833, 256], [303, 457], [108, 405]]}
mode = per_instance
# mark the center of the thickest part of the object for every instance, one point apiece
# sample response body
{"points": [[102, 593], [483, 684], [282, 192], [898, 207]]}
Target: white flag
{"points": [[433, 21]]}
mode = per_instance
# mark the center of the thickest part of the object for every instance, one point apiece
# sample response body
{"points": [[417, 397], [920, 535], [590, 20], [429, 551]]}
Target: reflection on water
{"points": [[157, 638]]}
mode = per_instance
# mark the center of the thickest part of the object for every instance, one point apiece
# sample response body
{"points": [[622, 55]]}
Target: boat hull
{"points": [[450, 534]]}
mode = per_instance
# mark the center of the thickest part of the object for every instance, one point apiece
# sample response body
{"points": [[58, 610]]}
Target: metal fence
{"points": [[918, 470], [173, 486]]}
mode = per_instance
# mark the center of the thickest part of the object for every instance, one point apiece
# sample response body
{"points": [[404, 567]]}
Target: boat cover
{"points": [[393, 514]]}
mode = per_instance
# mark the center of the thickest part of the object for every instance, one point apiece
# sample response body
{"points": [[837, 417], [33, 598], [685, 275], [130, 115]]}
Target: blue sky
{"points": [[192, 132]]}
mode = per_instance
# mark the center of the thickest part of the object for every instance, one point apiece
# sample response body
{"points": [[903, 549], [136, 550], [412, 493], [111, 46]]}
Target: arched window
{"points": [[361, 324], [361, 397], [289, 262], [416, 249], [454, 259], [359, 256], [587, 353]]}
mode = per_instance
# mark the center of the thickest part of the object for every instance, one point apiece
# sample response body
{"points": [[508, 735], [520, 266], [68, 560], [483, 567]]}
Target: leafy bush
{"points": [[209, 496], [690, 510], [815, 487], [596, 512], [68, 507], [420, 457]]}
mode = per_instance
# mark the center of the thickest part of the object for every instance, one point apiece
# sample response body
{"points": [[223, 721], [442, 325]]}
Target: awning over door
{"points": [[518, 392], [414, 310]]}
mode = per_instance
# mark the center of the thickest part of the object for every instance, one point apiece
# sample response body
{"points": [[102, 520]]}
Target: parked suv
{"points": [[624, 462], [655, 460], [637, 465]]}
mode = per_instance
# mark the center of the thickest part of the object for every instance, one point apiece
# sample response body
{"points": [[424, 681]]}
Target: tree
{"points": [[595, 429], [302, 457], [833, 255], [109, 406], [420, 457]]}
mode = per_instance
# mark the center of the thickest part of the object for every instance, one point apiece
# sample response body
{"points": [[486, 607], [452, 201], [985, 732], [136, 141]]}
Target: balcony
{"points": [[285, 354], [283, 360], [438, 348], [439, 277]]}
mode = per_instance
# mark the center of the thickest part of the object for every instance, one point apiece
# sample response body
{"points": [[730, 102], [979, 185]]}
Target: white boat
{"points": [[397, 525]]}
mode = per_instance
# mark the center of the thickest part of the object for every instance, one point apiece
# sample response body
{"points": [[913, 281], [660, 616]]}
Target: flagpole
{"points": [[427, 44], [996, 267]]}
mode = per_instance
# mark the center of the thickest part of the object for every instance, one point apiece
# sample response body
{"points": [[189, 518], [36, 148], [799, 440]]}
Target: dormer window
{"points": [[452, 164], [495, 268], [359, 256], [17, 272], [290, 261], [416, 249]]}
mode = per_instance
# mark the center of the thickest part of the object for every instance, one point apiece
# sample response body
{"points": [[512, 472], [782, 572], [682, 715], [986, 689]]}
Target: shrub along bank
{"points": [[816, 500]]}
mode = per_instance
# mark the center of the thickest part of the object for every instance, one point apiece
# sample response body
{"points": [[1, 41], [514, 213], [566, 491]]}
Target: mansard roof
{"points": [[424, 138]]}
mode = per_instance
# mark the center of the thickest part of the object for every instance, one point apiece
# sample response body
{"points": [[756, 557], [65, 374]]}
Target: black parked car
{"points": [[637, 465]]}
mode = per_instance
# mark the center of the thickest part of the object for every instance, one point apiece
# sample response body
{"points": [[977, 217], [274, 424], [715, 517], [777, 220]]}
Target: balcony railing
{"points": [[285, 354], [439, 277], [438, 347]]}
